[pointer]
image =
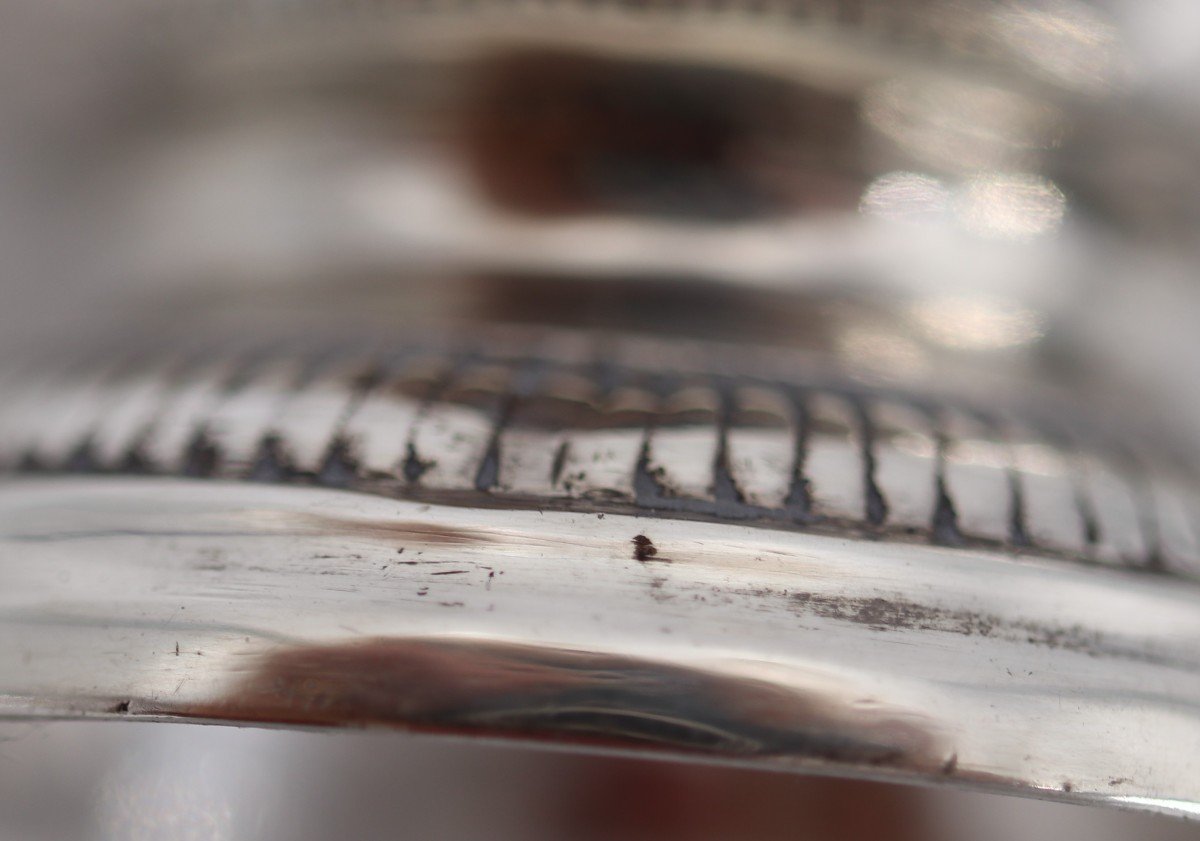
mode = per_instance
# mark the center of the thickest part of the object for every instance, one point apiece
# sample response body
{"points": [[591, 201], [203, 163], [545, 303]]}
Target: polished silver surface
{"points": [[809, 385], [175, 599]]}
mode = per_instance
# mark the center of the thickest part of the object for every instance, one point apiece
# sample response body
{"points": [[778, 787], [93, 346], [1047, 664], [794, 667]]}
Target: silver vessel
{"points": [[798, 385]]}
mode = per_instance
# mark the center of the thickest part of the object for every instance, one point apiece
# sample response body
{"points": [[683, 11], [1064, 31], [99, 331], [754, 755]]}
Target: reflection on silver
{"points": [[138, 802], [1069, 41], [906, 197], [976, 322], [1168, 806], [1011, 206], [960, 126], [880, 349]]}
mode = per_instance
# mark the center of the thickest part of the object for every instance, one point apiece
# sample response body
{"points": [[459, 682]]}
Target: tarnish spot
{"points": [[643, 549], [882, 614], [404, 530]]}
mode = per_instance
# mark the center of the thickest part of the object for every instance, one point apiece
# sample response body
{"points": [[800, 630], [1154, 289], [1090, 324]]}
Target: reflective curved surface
{"points": [[804, 384], [172, 599]]}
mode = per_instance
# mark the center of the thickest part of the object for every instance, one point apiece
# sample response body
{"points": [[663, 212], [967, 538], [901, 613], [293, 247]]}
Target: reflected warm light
{"points": [[906, 197], [961, 126], [1067, 41], [1013, 206], [871, 350], [976, 323]]}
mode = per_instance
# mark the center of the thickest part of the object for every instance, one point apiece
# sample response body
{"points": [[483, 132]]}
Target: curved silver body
{"points": [[173, 599]]}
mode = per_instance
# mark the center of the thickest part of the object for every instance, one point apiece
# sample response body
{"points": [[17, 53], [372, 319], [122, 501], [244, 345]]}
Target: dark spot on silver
{"points": [[643, 548]]}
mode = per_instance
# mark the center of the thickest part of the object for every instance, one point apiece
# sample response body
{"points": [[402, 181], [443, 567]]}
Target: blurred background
{"points": [[976, 195], [914, 190]]}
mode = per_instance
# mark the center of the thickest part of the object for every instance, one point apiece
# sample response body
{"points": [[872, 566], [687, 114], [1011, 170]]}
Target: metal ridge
{"points": [[554, 432]]}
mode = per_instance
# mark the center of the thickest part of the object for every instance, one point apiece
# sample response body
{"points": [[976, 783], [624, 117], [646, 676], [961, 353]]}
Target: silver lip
{"points": [[170, 599], [565, 429]]}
